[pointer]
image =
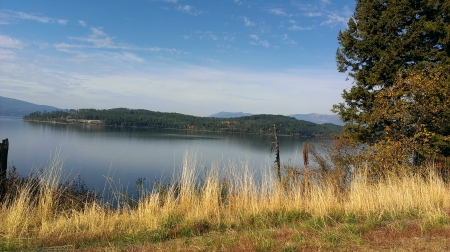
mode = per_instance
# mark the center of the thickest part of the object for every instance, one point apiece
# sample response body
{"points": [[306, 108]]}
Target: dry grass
{"points": [[232, 211]]}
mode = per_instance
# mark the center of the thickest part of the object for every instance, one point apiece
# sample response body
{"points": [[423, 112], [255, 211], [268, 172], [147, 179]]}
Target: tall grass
{"points": [[226, 197]]}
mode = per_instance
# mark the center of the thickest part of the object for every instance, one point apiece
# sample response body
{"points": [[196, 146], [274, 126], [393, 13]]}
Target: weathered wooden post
{"points": [[3, 166], [306, 164], [277, 158]]}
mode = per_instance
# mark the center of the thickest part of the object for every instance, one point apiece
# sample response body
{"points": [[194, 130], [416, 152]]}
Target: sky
{"points": [[191, 57]]}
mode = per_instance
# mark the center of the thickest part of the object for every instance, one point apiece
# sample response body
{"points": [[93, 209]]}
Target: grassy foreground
{"points": [[233, 211]]}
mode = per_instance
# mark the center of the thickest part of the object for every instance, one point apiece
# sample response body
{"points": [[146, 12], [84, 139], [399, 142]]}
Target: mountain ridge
{"points": [[319, 118], [311, 117], [19, 108]]}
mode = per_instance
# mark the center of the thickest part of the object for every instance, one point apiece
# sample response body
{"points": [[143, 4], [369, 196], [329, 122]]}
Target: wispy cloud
{"points": [[100, 40], [131, 57], [255, 37], [313, 14], [11, 15], [209, 60], [279, 12], [323, 9], [23, 15], [257, 41], [238, 2], [312, 10], [189, 9], [337, 18], [207, 35], [305, 7], [295, 27], [247, 22], [82, 23], [7, 55], [8, 42], [287, 40]]}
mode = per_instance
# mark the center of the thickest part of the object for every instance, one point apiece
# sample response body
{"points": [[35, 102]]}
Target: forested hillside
{"points": [[261, 124]]}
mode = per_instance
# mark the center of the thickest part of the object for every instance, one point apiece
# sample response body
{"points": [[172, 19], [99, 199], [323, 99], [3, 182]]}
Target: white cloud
{"points": [[335, 19], [98, 38], [299, 28], [305, 6], [189, 9], [264, 28], [97, 32], [23, 15], [247, 21], [313, 14], [287, 40], [68, 48], [257, 41], [255, 37], [264, 43], [7, 55], [82, 23], [209, 60], [207, 35], [279, 12], [11, 15], [8, 42], [130, 57], [230, 38]]}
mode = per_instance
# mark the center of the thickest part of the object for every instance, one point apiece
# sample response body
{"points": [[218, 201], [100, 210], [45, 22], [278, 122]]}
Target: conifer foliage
{"points": [[398, 53]]}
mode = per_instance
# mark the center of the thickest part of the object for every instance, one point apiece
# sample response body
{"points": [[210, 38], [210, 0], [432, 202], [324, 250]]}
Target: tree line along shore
{"points": [[256, 124]]}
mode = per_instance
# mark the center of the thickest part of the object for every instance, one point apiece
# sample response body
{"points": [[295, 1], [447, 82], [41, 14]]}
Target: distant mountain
{"points": [[14, 107], [230, 114], [319, 118], [313, 117]]}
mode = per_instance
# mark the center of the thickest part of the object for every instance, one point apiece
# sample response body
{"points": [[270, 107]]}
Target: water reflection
{"points": [[127, 154]]}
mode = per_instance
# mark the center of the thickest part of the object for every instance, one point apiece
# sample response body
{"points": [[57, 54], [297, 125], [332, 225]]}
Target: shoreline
{"points": [[100, 123]]}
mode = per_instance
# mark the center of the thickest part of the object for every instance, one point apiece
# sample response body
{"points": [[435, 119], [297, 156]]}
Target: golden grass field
{"points": [[234, 212]]}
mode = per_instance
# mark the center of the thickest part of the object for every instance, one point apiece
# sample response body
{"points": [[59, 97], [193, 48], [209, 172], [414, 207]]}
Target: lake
{"points": [[127, 154]]}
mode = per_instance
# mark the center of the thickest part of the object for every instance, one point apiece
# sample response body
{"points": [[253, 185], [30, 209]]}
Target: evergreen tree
{"points": [[385, 39]]}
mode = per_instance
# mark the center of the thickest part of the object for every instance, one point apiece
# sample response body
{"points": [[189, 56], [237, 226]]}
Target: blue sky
{"points": [[190, 57]]}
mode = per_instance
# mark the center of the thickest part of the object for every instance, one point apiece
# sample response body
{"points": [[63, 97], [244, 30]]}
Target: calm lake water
{"points": [[126, 154]]}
